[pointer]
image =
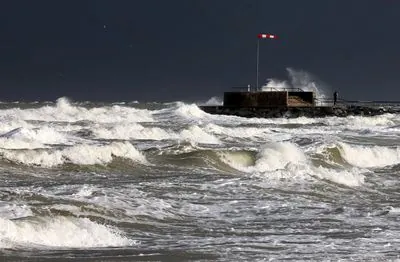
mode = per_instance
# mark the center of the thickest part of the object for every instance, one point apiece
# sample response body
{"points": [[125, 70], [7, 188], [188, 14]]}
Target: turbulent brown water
{"points": [[156, 182]]}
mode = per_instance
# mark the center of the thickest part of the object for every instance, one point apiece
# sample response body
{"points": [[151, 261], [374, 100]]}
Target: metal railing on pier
{"points": [[293, 89], [344, 102], [269, 89]]}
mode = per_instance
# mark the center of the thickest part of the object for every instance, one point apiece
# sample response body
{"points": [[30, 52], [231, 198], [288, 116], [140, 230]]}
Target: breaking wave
{"points": [[370, 156], [64, 111], [65, 232], [79, 155], [287, 161]]}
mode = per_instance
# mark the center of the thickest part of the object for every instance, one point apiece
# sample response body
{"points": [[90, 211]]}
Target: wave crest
{"points": [[79, 155], [60, 232]]}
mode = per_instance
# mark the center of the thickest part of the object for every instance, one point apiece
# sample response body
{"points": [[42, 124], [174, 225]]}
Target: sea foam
{"points": [[66, 232], [84, 154], [128, 131], [65, 111], [370, 156], [285, 160]]}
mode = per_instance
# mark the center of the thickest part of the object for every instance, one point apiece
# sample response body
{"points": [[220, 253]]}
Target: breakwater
{"points": [[298, 111]]}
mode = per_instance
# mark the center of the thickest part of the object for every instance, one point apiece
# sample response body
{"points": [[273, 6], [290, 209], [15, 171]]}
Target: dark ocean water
{"points": [[168, 182]]}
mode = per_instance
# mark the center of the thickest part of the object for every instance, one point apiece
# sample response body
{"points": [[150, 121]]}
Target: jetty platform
{"points": [[295, 103], [298, 111]]}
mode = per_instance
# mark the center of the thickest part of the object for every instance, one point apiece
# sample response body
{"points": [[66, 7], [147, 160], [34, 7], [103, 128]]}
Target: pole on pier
{"points": [[258, 60], [261, 36]]}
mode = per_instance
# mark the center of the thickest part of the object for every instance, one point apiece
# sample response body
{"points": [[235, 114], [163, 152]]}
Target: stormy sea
{"points": [[168, 182]]}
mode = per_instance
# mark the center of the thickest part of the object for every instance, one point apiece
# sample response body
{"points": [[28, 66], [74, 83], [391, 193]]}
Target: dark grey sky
{"points": [[190, 50]]}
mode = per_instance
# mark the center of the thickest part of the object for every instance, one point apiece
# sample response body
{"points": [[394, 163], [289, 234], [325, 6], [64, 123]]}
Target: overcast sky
{"points": [[169, 50]]}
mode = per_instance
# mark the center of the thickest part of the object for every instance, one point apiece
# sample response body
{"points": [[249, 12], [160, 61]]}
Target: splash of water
{"points": [[299, 79], [214, 101]]}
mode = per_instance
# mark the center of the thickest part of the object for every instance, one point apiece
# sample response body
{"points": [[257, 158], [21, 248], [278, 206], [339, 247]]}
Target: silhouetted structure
{"points": [[335, 97], [289, 103]]}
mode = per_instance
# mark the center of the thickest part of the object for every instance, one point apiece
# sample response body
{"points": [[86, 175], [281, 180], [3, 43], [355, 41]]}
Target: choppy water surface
{"points": [[170, 182]]}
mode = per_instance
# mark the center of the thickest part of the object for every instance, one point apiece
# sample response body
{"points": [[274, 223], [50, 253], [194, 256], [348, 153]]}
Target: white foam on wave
{"points": [[66, 232], [84, 154], [85, 191], [249, 132], [369, 156], [194, 113], [190, 111], [297, 120], [350, 122], [394, 210], [197, 134], [127, 202], [271, 157], [351, 178], [8, 124], [285, 160], [275, 156], [132, 131], [10, 210], [362, 122], [63, 110], [193, 133], [31, 138], [12, 143]]}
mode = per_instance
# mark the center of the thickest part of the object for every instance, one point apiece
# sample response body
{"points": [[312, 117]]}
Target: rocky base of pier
{"points": [[293, 112]]}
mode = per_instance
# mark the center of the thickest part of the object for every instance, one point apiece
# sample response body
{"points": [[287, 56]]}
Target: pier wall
{"points": [[290, 103], [292, 112], [256, 99], [307, 97]]}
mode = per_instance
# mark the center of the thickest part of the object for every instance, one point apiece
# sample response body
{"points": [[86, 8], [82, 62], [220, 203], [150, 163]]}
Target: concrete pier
{"points": [[294, 103], [299, 111]]}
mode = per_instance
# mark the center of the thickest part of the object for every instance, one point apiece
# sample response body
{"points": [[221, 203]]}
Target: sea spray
{"points": [[299, 79]]}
